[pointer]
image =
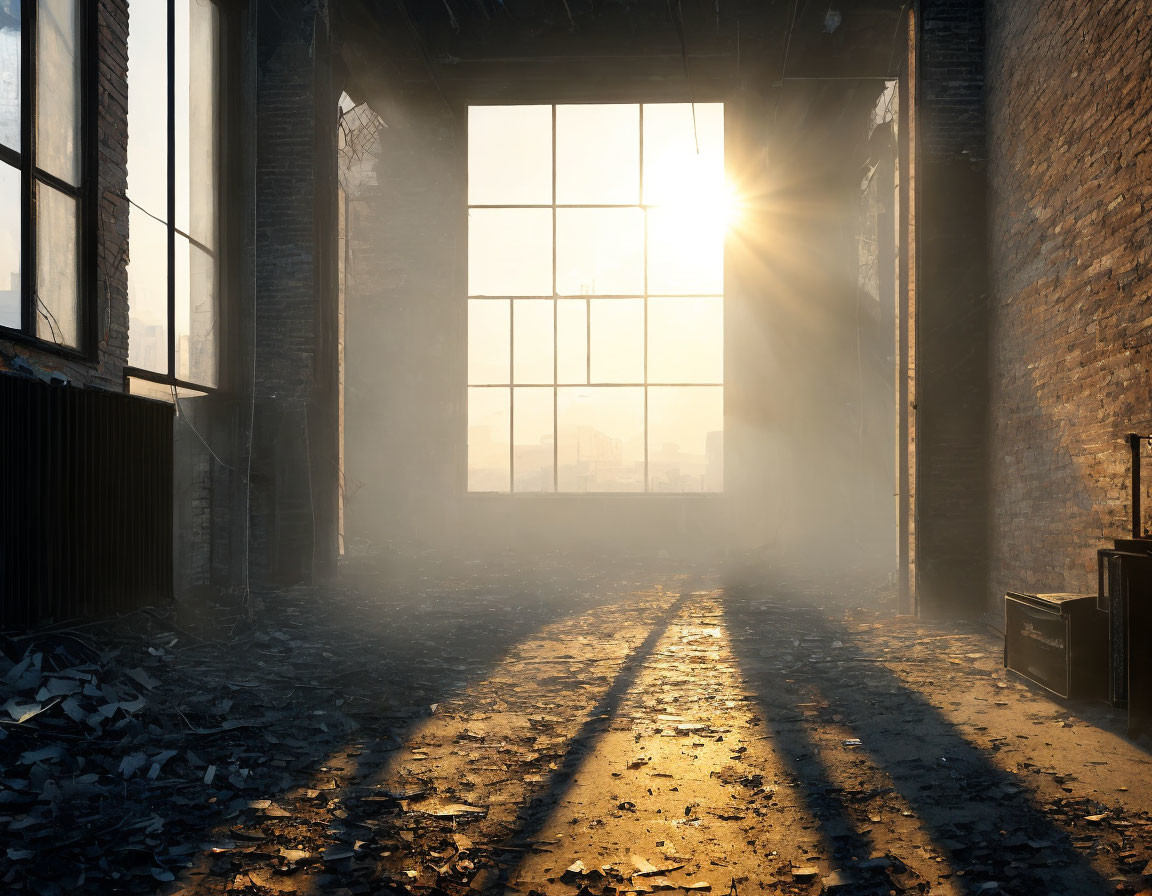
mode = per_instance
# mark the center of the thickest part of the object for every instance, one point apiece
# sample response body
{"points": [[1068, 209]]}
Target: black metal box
{"points": [[1058, 641], [1125, 580], [1140, 666]]}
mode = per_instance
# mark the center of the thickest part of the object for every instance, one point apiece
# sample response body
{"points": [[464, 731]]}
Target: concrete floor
{"points": [[635, 733]]}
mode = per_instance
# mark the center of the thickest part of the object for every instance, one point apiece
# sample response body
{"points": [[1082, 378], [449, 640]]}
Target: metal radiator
{"points": [[85, 502]]}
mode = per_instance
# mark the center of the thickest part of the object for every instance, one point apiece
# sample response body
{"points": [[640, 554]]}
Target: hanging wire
{"points": [[678, 21]]}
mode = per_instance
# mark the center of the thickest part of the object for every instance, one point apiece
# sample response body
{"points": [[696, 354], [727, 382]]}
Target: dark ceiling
{"points": [[485, 50]]}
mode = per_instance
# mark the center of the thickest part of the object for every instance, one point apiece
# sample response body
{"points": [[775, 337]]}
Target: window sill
{"points": [[19, 337]]}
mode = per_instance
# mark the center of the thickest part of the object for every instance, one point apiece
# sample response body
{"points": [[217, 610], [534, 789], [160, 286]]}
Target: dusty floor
{"points": [[561, 734]]}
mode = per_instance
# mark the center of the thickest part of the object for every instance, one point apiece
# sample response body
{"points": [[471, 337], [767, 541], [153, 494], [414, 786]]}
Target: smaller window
{"points": [[42, 171]]}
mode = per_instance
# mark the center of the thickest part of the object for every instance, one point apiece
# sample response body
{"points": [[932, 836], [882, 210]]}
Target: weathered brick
{"points": [[1068, 108]]}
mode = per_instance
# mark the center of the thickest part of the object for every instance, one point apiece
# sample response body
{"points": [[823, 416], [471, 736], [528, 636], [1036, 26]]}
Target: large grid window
{"points": [[42, 170], [173, 184], [596, 297]]}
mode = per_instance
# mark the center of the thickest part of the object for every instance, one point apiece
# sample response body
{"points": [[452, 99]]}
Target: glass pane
{"points": [[685, 253], [147, 292], [532, 341], [510, 155], [675, 173], [601, 438], [597, 154], [572, 341], [489, 331], [489, 421], [532, 440], [10, 73], [10, 247], [58, 87], [196, 314], [57, 271], [600, 251], [150, 389], [617, 341], [197, 93], [510, 252], [685, 340], [147, 107], [686, 438]]}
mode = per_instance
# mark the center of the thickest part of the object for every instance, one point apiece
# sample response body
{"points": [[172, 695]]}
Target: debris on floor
{"points": [[553, 735]]}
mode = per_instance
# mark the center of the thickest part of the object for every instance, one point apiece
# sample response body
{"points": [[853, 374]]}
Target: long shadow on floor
{"points": [[977, 815], [458, 637], [382, 658], [534, 814]]}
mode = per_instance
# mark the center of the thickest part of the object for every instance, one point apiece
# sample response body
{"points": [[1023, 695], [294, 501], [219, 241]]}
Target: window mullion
{"points": [[27, 166], [511, 394], [555, 336], [644, 211], [171, 145], [60, 186]]}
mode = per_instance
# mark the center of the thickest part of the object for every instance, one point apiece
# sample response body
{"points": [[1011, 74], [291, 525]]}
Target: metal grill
{"points": [[86, 498]]}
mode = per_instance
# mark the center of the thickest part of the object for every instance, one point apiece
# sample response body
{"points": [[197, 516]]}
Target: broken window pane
{"points": [[10, 247], [675, 173], [10, 61], [686, 340], [532, 439], [147, 292], [617, 354], [489, 422], [510, 155], [601, 438], [685, 252], [532, 341], [686, 438], [489, 329], [147, 107], [196, 314], [58, 88], [57, 273], [597, 154], [509, 252], [197, 94], [599, 251], [572, 341]]}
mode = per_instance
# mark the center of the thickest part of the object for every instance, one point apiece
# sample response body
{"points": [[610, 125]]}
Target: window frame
{"points": [[555, 206], [224, 10], [83, 194]]}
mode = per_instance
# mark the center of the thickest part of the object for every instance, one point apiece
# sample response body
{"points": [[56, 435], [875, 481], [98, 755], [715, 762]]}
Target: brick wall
{"points": [[294, 443], [951, 305], [112, 185], [1069, 115], [952, 79]]}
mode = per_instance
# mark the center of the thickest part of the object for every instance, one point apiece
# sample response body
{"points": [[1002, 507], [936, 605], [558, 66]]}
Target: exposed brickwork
{"points": [[112, 186], [110, 288], [951, 307], [1070, 128], [952, 79], [294, 470]]}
